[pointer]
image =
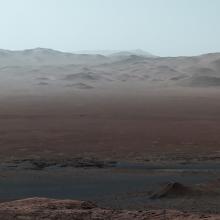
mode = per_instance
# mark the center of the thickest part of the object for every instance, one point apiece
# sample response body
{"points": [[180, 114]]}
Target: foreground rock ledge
{"points": [[43, 208]]}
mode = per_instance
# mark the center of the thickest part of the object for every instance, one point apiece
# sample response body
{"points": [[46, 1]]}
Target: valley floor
{"points": [[117, 148]]}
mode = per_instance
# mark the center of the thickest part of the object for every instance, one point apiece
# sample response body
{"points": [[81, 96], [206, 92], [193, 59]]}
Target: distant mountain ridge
{"points": [[47, 66], [137, 52], [45, 56]]}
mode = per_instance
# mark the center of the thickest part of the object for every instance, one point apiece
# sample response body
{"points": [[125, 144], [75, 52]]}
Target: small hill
{"points": [[172, 190]]}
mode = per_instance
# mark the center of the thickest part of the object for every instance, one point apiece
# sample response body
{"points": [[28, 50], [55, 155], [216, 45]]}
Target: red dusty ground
{"points": [[43, 208]]}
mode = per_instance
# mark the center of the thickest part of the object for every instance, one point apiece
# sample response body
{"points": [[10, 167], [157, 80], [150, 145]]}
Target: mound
{"points": [[172, 190]]}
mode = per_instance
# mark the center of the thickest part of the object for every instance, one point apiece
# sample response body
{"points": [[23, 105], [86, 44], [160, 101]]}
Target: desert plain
{"points": [[124, 131]]}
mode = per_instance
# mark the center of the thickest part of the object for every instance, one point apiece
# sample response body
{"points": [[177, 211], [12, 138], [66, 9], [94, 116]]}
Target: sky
{"points": [[161, 27]]}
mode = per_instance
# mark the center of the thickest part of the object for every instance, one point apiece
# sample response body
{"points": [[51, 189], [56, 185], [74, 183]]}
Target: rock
{"points": [[43, 208]]}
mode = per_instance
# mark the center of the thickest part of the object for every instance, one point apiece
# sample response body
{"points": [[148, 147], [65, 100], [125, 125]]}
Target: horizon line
{"points": [[92, 52]]}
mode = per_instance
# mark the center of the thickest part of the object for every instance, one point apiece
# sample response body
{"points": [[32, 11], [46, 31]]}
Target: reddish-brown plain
{"points": [[126, 123]]}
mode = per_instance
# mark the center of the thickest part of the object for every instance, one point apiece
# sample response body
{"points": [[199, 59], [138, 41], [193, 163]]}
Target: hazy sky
{"points": [[162, 27]]}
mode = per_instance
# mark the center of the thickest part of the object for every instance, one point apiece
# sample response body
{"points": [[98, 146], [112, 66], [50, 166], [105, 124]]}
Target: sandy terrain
{"points": [[131, 124]]}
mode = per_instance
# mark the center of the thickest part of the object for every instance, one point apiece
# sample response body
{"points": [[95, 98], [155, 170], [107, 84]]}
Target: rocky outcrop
{"points": [[43, 208]]}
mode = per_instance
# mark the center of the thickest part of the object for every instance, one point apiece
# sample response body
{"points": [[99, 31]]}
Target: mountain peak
{"points": [[137, 52]]}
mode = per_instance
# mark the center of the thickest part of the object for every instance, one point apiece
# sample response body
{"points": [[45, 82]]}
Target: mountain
{"points": [[44, 67], [44, 56]]}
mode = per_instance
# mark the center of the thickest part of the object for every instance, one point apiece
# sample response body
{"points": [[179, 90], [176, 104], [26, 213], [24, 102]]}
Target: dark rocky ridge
{"points": [[40, 163]]}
